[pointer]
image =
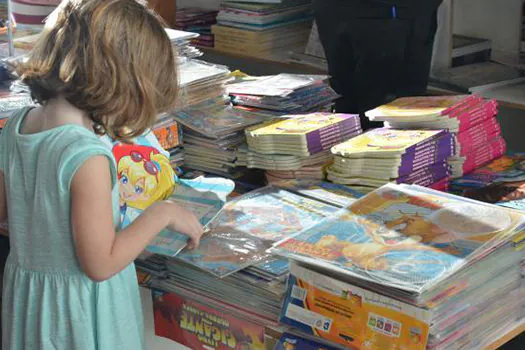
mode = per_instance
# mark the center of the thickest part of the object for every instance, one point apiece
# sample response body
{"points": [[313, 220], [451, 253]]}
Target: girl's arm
{"points": [[101, 251], [3, 202]]}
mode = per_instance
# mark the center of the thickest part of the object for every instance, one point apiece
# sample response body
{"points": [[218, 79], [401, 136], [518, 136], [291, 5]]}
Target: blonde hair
{"points": [[109, 58], [157, 187]]}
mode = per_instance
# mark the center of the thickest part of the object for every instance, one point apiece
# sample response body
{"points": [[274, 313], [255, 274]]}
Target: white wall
{"points": [[498, 20]]}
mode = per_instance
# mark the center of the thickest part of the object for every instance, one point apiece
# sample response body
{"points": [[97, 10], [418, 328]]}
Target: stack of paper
{"points": [[262, 29], [408, 267], [284, 93], [197, 20], [297, 147], [403, 156], [501, 182], [471, 119], [182, 42]]}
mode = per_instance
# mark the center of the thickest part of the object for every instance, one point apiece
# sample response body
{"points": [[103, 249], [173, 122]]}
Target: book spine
{"points": [[432, 173], [477, 115], [465, 103], [479, 158], [477, 137]]}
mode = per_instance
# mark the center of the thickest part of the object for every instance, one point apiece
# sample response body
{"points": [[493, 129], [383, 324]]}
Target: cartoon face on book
{"points": [[144, 174], [393, 139]]}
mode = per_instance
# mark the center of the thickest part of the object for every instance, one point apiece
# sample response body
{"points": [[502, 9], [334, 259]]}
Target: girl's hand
{"points": [[183, 221]]}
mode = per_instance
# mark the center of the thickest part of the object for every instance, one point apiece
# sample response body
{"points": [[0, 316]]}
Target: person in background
{"points": [[376, 49], [99, 67]]}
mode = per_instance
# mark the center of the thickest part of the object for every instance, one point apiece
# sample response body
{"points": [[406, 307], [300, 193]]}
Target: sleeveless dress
{"points": [[48, 302]]}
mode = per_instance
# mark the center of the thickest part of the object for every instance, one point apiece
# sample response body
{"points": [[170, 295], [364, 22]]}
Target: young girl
{"points": [[100, 66]]}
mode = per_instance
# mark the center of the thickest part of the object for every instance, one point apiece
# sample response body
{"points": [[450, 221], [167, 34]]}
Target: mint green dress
{"points": [[48, 302]]}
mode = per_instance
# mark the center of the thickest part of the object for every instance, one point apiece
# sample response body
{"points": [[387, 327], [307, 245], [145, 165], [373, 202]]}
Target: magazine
{"points": [[400, 236], [246, 228]]}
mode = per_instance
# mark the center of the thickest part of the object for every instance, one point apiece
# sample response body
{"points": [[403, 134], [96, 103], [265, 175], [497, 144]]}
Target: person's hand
{"points": [[183, 221]]}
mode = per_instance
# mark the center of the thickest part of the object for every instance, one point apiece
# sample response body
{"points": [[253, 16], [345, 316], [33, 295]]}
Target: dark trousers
{"points": [[371, 55]]}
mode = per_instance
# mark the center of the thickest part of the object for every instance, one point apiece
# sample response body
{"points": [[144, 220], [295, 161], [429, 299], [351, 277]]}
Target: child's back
{"points": [[38, 169]]}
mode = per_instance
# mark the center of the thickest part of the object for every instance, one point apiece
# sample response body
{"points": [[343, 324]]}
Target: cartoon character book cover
{"points": [[246, 228], [501, 182], [401, 237]]}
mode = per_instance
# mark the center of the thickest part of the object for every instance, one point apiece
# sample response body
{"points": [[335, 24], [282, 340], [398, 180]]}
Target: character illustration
{"points": [[144, 174], [507, 185], [385, 139]]}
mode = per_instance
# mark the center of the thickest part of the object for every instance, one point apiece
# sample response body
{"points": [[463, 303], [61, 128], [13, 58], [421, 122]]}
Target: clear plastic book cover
{"points": [[403, 237], [277, 85], [247, 227]]}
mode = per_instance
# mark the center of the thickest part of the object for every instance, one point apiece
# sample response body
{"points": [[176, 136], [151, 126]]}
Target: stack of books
{"points": [[213, 137], [408, 267], [262, 29], [284, 94], [471, 119], [182, 42], [386, 155], [197, 20], [500, 182], [202, 89], [298, 147]]}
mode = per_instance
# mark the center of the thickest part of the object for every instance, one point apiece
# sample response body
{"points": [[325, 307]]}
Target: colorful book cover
{"points": [[168, 135], [301, 125], [201, 327], [430, 106], [245, 228], [353, 317], [501, 182], [402, 237], [385, 142], [275, 266], [293, 342], [481, 156]]}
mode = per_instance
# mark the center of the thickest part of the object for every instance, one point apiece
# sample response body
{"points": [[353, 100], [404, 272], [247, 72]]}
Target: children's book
{"points": [[402, 237], [422, 108], [293, 342], [385, 143], [501, 182], [246, 227]]}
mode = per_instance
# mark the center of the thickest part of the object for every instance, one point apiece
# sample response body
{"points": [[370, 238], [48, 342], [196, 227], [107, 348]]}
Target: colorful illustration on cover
{"points": [[415, 106], [293, 342], [501, 182], [246, 227], [145, 176], [394, 139], [385, 140], [298, 125], [201, 327], [401, 237]]}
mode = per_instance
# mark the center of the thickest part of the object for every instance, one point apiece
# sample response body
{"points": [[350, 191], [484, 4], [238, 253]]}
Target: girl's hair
{"points": [[157, 187], [109, 58]]}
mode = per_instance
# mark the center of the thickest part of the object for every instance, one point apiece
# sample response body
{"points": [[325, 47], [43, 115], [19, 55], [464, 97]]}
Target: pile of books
{"points": [[500, 182], [197, 20], [471, 119], [284, 94], [387, 155], [262, 29], [408, 267], [213, 137], [298, 147]]}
